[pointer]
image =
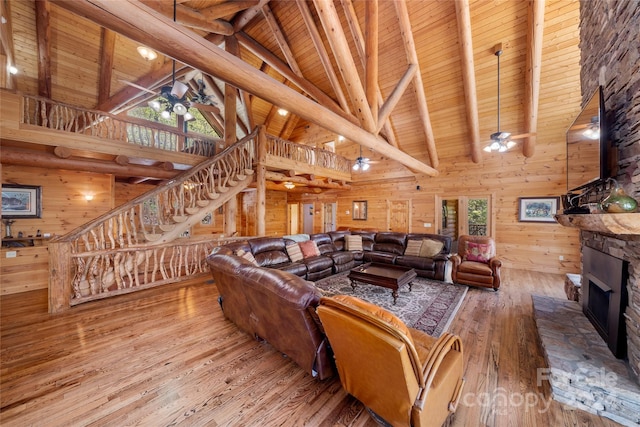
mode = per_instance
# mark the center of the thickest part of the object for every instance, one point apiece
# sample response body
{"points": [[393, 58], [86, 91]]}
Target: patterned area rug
{"points": [[430, 306]]}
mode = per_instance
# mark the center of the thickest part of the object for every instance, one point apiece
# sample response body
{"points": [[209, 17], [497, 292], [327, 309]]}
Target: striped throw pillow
{"points": [[294, 252]]}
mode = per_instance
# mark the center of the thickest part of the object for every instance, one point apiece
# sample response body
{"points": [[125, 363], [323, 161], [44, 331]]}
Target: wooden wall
{"points": [[64, 208]]}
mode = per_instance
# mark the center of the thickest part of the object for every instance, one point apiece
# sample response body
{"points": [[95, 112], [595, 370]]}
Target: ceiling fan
{"points": [[362, 163], [501, 141]]}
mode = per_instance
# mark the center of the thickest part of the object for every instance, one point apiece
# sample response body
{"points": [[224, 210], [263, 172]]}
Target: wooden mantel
{"points": [[619, 223]]}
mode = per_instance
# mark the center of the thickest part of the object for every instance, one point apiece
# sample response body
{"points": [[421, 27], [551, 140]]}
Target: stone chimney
{"points": [[610, 56]]}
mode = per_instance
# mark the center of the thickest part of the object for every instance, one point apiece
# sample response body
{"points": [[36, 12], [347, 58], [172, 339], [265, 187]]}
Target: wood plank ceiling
{"points": [[412, 80]]}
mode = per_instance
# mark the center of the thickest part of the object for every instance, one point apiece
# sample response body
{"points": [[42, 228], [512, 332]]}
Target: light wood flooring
{"points": [[168, 357]]}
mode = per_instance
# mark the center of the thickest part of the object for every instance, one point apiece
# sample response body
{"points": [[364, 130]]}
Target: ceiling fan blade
{"points": [[137, 86], [205, 107], [523, 135]]}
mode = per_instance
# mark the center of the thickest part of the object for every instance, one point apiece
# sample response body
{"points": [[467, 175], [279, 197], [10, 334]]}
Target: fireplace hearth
{"points": [[604, 279]]}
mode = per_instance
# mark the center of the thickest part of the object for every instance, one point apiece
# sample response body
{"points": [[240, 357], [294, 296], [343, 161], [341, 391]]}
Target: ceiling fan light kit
{"points": [[362, 163], [500, 141]]}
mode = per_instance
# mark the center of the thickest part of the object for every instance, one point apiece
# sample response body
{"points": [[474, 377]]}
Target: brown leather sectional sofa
{"points": [[263, 296]]}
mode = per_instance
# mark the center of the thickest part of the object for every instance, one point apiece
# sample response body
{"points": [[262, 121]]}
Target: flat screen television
{"points": [[588, 154]]}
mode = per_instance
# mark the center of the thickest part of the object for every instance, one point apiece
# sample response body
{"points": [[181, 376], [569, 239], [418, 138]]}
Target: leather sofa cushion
{"points": [[366, 235], [270, 258], [338, 239], [267, 244], [318, 263], [297, 268], [391, 248], [473, 267], [341, 257], [381, 257], [324, 243], [391, 237], [420, 263]]}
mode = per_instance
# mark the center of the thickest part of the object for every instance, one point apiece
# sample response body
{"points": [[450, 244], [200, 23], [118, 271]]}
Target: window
{"points": [[465, 214]]}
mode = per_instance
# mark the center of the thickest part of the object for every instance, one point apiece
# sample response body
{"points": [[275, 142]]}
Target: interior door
{"points": [[330, 217], [398, 216]]}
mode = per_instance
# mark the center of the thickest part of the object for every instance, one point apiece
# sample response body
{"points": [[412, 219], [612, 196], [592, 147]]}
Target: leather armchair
{"points": [[468, 271], [403, 375]]}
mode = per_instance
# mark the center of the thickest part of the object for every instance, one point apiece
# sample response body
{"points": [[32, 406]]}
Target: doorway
{"points": [[307, 218], [293, 211], [460, 215]]}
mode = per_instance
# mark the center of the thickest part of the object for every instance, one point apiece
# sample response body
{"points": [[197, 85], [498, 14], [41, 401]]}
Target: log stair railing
{"points": [[136, 245]]}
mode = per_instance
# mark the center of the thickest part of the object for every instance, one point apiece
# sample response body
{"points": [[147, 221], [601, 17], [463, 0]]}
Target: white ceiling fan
{"points": [[362, 163], [502, 141]]}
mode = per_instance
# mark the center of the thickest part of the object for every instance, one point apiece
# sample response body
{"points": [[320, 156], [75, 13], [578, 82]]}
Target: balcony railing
{"points": [[54, 115], [312, 156]]}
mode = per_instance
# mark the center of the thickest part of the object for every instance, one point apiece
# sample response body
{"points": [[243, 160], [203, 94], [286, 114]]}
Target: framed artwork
{"points": [[21, 201], [537, 209], [360, 209]]}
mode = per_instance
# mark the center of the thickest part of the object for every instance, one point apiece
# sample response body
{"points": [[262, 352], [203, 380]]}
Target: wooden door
{"points": [[398, 216]]}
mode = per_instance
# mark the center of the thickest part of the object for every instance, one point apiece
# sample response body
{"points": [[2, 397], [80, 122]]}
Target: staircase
{"points": [[134, 246], [164, 213]]}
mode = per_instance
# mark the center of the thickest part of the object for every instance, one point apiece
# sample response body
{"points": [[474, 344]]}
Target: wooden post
{"points": [[60, 276], [230, 211], [261, 183]]}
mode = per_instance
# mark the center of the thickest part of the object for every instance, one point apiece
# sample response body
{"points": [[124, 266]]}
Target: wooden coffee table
{"points": [[385, 275]]}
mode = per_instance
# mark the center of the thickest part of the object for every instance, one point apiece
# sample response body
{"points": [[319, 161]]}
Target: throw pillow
{"points": [[247, 255], [294, 252], [478, 252], [354, 242], [430, 248], [309, 249], [413, 248]]}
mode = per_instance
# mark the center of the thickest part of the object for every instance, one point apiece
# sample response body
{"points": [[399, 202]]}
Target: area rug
{"points": [[430, 306]]}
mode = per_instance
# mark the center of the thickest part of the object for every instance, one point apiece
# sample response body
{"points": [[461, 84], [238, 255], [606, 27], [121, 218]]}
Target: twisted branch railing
{"points": [[306, 154], [54, 115]]}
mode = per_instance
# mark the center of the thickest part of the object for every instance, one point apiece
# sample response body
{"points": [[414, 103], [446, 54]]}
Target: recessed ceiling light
{"points": [[13, 70], [282, 111]]}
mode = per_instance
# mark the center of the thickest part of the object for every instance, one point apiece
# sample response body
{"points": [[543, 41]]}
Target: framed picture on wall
{"points": [[21, 201], [537, 209]]}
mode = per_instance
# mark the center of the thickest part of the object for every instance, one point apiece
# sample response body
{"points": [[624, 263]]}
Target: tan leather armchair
{"points": [[467, 270], [403, 375]]}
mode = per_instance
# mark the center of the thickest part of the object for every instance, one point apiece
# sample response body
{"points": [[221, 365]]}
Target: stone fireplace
{"points": [[610, 55]]}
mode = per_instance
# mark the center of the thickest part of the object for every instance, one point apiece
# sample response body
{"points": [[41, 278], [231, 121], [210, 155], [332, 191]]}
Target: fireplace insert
{"points": [[604, 280]]}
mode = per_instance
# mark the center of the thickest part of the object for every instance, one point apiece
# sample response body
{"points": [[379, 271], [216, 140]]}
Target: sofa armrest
{"points": [[495, 265]]}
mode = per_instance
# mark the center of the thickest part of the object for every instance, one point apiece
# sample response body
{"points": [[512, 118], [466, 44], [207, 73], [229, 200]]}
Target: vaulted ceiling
{"points": [[416, 81]]}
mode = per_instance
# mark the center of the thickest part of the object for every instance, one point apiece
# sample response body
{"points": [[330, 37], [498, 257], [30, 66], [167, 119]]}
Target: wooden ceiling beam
{"points": [[468, 77], [371, 55], [347, 67], [289, 126], [43, 32], [240, 21], [226, 8], [297, 179], [358, 38], [396, 94], [532, 76], [305, 85], [163, 35], [230, 93], [274, 26], [106, 65], [412, 58], [323, 54], [191, 18]]}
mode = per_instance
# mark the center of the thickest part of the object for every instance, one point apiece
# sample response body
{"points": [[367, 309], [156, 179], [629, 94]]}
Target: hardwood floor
{"points": [[167, 356]]}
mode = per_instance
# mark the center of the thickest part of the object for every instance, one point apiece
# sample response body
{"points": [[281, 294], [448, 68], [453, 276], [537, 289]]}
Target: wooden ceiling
{"points": [[416, 81]]}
